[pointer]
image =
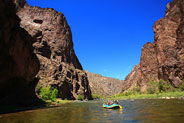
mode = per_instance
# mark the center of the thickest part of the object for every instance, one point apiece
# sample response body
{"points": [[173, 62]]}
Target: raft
{"points": [[113, 106]]}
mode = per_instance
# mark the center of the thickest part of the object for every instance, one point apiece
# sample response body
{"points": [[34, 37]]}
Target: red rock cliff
{"points": [[18, 64], [53, 45], [164, 58]]}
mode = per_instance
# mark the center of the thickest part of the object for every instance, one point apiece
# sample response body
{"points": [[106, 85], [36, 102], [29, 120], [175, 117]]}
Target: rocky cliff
{"points": [[53, 45], [164, 58], [104, 86], [18, 64]]}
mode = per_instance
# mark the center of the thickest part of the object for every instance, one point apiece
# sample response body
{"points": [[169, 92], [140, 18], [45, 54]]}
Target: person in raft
{"points": [[116, 102]]}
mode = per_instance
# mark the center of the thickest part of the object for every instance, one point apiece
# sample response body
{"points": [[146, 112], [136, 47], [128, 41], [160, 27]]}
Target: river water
{"points": [[143, 111]]}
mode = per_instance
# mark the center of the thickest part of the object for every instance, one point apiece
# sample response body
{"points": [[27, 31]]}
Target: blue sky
{"points": [[108, 34]]}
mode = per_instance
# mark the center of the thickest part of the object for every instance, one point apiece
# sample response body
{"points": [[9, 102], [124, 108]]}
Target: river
{"points": [[143, 111]]}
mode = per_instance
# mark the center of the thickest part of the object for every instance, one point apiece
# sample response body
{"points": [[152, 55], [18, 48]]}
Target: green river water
{"points": [[143, 111]]}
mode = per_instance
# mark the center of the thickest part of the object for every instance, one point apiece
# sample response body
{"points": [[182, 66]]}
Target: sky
{"points": [[108, 34]]}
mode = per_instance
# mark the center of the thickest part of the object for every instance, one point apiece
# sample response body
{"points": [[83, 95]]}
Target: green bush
{"points": [[136, 90], [54, 94], [95, 96], [47, 93], [79, 97], [118, 95], [128, 93], [165, 86], [153, 87], [181, 87], [159, 87]]}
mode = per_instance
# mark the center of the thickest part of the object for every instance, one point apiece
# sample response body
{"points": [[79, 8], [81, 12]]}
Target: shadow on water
{"points": [[4, 109], [151, 110]]}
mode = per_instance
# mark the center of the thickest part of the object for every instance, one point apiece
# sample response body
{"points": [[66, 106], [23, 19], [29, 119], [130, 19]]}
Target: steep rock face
{"points": [[19, 65], [104, 86], [53, 45], [164, 58]]}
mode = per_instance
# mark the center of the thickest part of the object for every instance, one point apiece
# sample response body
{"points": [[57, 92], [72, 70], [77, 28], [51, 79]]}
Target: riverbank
{"points": [[166, 95], [58, 102]]}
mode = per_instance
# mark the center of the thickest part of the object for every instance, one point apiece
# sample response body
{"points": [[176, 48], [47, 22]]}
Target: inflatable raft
{"points": [[113, 106]]}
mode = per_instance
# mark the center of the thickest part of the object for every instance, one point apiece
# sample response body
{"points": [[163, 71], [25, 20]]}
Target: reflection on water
{"points": [[152, 110]]}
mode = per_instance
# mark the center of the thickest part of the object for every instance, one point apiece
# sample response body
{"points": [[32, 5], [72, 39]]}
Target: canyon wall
{"points": [[164, 58], [18, 64], [53, 45]]}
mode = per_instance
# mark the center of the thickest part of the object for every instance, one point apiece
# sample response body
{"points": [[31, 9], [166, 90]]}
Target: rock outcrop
{"points": [[164, 58], [104, 86], [18, 64], [59, 66]]}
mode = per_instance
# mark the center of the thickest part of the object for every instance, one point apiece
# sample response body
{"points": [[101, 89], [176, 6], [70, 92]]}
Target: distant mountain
{"points": [[104, 86], [164, 58]]}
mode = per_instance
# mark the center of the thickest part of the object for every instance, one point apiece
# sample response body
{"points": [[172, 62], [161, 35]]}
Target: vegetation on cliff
{"points": [[51, 95], [47, 93], [155, 89]]}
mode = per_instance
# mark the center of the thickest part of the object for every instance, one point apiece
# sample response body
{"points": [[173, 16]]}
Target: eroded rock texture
{"points": [[53, 45], [164, 58], [18, 64], [104, 86]]}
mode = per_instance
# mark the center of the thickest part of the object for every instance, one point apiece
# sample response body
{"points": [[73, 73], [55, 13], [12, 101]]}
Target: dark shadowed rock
{"points": [[53, 45], [164, 58], [104, 86], [18, 64]]}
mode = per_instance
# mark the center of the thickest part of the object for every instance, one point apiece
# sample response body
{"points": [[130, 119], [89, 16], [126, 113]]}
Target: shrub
{"points": [[128, 93], [79, 97], [165, 86], [153, 87], [181, 87], [54, 94], [47, 93], [136, 90], [95, 96], [159, 86]]}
